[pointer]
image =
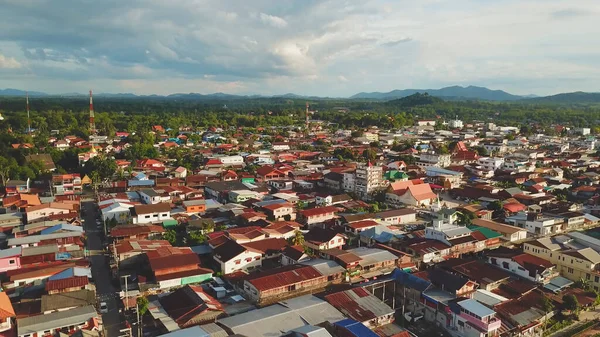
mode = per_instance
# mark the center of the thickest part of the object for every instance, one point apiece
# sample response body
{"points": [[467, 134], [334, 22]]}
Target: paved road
{"points": [[101, 271]]}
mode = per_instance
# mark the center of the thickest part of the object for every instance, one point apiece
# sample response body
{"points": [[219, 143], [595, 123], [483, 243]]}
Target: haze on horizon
{"points": [[309, 47]]}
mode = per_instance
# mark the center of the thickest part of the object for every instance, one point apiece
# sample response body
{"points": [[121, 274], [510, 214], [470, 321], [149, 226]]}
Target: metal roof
{"points": [[325, 267], [35, 324], [476, 308], [37, 238], [370, 256], [277, 319], [359, 304]]}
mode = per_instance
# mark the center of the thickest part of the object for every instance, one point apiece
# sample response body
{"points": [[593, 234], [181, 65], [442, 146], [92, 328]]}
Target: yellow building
{"points": [[572, 263]]}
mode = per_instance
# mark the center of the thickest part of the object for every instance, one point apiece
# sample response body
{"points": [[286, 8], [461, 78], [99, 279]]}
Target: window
{"points": [[570, 270], [596, 279], [505, 265], [147, 217], [238, 261], [257, 258], [11, 261], [494, 261], [588, 276]]}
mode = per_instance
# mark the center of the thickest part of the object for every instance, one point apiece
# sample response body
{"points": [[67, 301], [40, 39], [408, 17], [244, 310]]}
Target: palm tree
{"points": [[298, 238]]}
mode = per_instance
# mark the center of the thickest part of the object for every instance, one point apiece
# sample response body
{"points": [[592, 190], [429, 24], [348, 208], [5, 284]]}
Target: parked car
{"points": [[103, 308]]}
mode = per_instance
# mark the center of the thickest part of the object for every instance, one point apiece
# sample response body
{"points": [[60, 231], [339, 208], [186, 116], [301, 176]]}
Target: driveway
{"points": [[101, 273]]}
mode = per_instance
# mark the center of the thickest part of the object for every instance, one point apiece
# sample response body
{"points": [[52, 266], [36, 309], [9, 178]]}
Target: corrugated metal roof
{"points": [[359, 304], [35, 324], [281, 277]]}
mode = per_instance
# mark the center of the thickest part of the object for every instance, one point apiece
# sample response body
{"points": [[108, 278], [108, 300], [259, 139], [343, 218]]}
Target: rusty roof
{"points": [[359, 304], [65, 283], [283, 276]]}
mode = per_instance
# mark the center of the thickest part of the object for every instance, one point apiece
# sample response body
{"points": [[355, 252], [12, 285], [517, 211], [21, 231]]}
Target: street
{"points": [[101, 273]]}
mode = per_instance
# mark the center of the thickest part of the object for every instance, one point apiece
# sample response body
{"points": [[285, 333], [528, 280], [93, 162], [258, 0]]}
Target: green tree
{"points": [[142, 305], [297, 239], [369, 155], [570, 303], [548, 307], [171, 236]]}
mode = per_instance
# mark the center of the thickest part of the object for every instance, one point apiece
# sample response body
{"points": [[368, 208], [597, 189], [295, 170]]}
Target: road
{"points": [[101, 273]]}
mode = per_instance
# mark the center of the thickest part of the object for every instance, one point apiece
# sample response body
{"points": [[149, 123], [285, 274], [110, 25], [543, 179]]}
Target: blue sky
{"points": [[324, 48]]}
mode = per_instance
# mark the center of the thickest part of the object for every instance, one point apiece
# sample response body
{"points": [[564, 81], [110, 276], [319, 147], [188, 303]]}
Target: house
{"points": [[174, 267], [294, 313], [269, 248], [10, 259], [52, 211], [13, 187], [362, 306], [471, 318], [322, 239], [219, 190], [398, 216], [232, 256], [412, 195], [331, 199], [509, 233], [280, 211], [313, 216], [150, 196], [280, 283], [130, 252], [150, 165], [7, 315], [21, 201], [67, 285], [180, 172], [66, 184], [69, 320], [360, 226], [268, 172], [524, 265], [191, 305], [153, 213], [194, 206], [293, 255], [374, 261], [67, 301]]}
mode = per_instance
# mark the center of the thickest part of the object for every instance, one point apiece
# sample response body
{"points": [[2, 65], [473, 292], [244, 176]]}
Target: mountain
{"points": [[455, 92], [17, 92], [568, 98], [414, 100]]}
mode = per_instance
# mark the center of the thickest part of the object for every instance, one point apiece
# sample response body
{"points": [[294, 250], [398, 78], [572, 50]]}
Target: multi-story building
{"points": [[66, 184], [434, 159], [473, 319], [490, 163], [368, 179]]}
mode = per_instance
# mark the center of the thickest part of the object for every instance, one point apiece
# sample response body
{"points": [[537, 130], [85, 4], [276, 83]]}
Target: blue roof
{"points": [[71, 272], [355, 328], [62, 226], [140, 182], [410, 280]]}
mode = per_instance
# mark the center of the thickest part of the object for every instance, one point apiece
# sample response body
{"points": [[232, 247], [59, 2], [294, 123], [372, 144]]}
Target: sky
{"points": [[324, 48]]}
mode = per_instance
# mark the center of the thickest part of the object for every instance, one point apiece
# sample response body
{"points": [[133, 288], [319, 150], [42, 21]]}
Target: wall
{"points": [[230, 266]]}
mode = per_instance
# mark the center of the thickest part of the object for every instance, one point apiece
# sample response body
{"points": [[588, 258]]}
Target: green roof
{"points": [[169, 223], [394, 174], [488, 233]]}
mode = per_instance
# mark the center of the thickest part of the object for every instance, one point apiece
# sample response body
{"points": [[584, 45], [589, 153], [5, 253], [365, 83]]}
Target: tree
{"points": [[374, 208], [196, 238], [495, 206], [297, 239], [112, 222], [96, 180], [142, 305], [171, 236], [369, 155], [570, 303], [482, 151], [547, 306]]}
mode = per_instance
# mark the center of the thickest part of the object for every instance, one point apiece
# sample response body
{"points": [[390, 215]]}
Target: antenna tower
{"points": [[92, 124], [28, 119]]}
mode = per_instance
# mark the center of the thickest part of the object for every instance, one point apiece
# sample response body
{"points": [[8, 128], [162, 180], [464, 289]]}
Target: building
{"points": [[7, 315], [473, 319], [283, 282], [509, 233], [10, 259], [232, 256], [368, 179], [362, 306], [419, 195], [322, 239], [434, 159], [191, 305], [149, 196], [69, 320], [194, 206], [66, 184], [524, 265], [174, 267], [153, 213], [313, 216], [398, 216], [284, 316]]}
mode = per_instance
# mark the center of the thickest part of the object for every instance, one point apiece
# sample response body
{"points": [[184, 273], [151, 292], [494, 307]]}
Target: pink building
{"points": [[10, 259]]}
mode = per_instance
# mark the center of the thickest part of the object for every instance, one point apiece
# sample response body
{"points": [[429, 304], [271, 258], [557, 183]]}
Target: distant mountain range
{"points": [[454, 92], [447, 93]]}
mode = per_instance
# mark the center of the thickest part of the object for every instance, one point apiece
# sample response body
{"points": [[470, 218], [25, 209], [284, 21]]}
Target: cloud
{"points": [[273, 20], [267, 47], [9, 62]]}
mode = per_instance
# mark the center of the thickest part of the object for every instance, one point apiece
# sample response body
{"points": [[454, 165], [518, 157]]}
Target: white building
{"points": [[434, 159], [153, 213], [490, 163], [232, 257], [456, 124], [364, 181], [232, 160]]}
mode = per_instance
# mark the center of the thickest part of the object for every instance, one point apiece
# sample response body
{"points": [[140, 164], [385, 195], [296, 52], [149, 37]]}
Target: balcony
{"points": [[492, 324]]}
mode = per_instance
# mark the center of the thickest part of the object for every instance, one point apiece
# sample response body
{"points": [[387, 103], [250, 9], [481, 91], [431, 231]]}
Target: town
{"points": [[438, 227]]}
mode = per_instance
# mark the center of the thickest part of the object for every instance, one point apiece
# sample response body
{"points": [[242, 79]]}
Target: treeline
{"points": [[70, 115]]}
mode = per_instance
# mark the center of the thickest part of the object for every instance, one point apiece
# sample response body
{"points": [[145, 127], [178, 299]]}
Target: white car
{"points": [[103, 308], [412, 317]]}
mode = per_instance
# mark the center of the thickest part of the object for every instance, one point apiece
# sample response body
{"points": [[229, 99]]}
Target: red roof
{"points": [[363, 224], [65, 283], [282, 277], [348, 302], [318, 211], [514, 207]]}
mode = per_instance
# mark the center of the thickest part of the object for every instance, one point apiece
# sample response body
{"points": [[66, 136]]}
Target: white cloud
{"points": [[342, 78], [273, 20], [9, 63]]}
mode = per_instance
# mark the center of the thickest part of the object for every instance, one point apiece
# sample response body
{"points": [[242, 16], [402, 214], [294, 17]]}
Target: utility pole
{"points": [[139, 326], [126, 297]]}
